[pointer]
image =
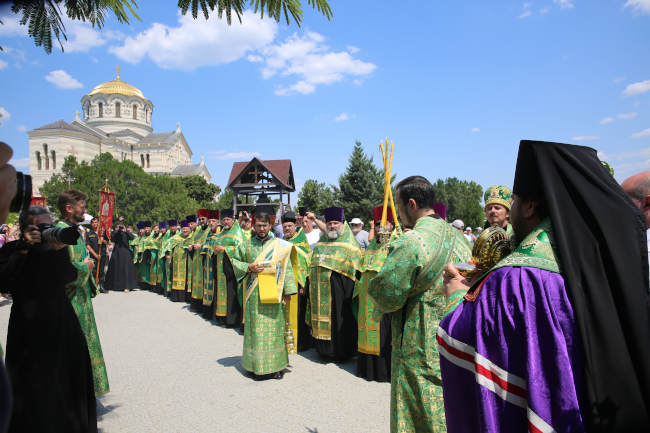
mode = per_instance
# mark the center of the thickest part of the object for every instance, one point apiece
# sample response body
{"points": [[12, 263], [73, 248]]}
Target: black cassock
{"points": [[304, 340], [121, 270], [234, 314], [343, 343], [373, 367], [47, 357]]}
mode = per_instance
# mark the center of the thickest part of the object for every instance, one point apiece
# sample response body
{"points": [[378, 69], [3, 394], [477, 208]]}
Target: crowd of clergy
{"points": [[554, 337]]}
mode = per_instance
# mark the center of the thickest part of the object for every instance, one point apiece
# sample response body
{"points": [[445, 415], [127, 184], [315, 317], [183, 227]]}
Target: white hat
{"points": [[356, 221], [459, 224], [87, 219]]}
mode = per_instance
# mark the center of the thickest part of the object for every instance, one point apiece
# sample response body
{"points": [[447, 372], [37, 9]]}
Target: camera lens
{"points": [[23, 196]]}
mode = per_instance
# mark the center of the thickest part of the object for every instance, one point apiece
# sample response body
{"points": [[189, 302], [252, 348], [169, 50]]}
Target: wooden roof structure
{"points": [[258, 179]]}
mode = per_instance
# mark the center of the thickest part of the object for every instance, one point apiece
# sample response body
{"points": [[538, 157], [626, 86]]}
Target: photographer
{"points": [[47, 356]]}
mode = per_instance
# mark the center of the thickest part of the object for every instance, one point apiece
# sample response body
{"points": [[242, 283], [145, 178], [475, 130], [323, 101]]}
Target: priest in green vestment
{"points": [[207, 254], [409, 285], [72, 205], [300, 259], [335, 262], [227, 297], [138, 244], [166, 254], [374, 337], [160, 258], [264, 263], [181, 268], [498, 199], [199, 238], [149, 256]]}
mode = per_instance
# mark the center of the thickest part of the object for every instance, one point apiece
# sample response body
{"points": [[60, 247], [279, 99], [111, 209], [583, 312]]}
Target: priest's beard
{"points": [[334, 234]]}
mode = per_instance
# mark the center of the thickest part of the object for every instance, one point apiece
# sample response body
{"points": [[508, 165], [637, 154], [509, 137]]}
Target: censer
{"points": [[492, 245], [288, 332]]}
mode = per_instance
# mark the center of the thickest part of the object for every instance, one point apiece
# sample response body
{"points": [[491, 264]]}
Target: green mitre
{"points": [[498, 194]]}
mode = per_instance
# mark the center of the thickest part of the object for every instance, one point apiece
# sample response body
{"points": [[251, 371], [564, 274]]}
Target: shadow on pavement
{"points": [[312, 354], [103, 410], [312, 430], [233, 361]]}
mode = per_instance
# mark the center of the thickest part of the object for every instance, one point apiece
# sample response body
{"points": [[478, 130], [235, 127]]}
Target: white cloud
{"points": [[638, 6], [544, 10], [619, 79], [475, 129], [352, 49], [195, 43], [3, 64], [62, 80], [642, 134], [606, 120], [254, 58], [11, 26], [586, 138], [222, 154], [564, 4], [4, 115], [344, 116], [637, 88], [312, 62], [81, 37], [626, 116], [528, 5], [21, 128], [525, 14], [20, 163]]}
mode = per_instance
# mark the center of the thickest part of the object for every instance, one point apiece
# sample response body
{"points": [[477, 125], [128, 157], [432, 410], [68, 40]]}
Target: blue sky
{"points": [[454, 86]]}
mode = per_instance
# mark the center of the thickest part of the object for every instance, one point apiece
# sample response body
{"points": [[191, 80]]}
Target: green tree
{"points": [[463, 200], [316, 196], [200, 190], [138, 195], [361, 186], [44, 18]]}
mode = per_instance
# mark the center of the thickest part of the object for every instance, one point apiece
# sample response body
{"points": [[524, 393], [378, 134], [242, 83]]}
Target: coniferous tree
{"points": [[361, 186]]}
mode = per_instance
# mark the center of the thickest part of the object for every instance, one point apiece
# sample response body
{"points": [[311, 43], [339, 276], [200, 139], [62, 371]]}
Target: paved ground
{"points": [[172, 371]]}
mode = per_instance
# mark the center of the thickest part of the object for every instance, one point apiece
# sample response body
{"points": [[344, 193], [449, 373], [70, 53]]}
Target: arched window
{"points": [[117, 110], [147, 160], [146, 114], [142, 160], [38, 160], [86, 111], [53, 160], [47, 158], [135, 112], [100, 107]]}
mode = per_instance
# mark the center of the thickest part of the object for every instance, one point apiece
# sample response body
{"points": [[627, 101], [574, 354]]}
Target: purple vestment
{"points": [[510, 361]]}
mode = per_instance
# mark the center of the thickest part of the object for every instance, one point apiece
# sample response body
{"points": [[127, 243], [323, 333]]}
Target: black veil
{"points": [[600, 240]]}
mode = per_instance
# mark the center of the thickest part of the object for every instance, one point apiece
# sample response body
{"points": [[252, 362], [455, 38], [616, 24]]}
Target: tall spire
{"points": [[117, 68]]}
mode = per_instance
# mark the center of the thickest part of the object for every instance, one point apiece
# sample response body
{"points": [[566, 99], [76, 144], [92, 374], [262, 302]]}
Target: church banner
{"points": [[106, 203], [39, 201]]}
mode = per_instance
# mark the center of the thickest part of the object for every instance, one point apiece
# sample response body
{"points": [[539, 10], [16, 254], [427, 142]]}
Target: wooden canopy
{"points": [[258, 180]]}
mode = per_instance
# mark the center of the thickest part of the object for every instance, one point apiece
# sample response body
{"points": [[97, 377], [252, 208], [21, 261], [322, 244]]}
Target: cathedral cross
{"points": [[117, 68]]}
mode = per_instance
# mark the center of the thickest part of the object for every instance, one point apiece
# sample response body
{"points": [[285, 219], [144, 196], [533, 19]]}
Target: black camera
{"points": [[65, 235], [23, 196]]}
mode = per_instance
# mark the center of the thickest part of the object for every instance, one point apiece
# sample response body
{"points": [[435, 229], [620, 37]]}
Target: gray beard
{"points": [[333, 234]]}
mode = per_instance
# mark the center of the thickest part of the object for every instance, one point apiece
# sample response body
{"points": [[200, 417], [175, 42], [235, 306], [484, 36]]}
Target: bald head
{"points": [[638, 188]]}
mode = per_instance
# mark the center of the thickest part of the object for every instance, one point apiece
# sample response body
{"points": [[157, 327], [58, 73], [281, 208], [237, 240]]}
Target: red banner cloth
{"points": [[106, 203], [38, 201]]}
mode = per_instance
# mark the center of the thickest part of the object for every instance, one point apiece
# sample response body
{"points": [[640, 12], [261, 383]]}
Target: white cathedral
{"points": [[117, 120]]}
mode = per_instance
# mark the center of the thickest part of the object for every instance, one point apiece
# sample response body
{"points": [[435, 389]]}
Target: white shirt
{"points": [[313, 237]]}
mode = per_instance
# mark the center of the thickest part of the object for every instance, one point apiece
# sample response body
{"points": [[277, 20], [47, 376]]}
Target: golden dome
{"points": [[117, 86]]}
